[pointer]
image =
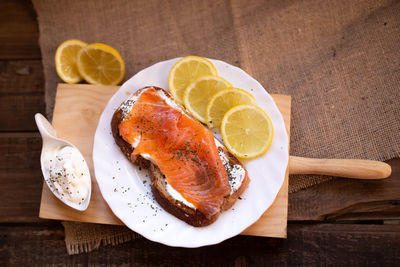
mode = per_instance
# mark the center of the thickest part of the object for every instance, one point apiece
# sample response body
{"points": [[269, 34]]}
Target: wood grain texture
{"points": [[17, 111], [19, 32], [348, 168], [309, 245], [81, 106], [21, 77], [346, 199], [21, 94], [20, 177]]}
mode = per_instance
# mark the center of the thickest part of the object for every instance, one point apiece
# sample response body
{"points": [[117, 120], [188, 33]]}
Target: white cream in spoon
{"points": [[69, 175], [64, 169]]}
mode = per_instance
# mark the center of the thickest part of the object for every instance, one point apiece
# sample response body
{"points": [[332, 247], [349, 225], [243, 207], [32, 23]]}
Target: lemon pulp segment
{"points": [[101, 64], [65, 60], [224, 100], [247, 131], [198, 94], [185, 71]]}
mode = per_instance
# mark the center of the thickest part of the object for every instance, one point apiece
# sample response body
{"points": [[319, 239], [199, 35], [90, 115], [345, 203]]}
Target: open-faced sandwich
{"points": [[193, 176]]}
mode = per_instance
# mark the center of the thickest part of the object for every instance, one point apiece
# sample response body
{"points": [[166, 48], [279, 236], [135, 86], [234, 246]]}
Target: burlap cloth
{"points": [[340, 61]]}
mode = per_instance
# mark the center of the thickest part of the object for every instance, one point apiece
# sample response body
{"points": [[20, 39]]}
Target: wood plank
{"points": [[347, 199], [19, 31], [329, 244], [20, 177], [21, 93], [35, 245], [21, 76], [343, 244], [17, 111]]}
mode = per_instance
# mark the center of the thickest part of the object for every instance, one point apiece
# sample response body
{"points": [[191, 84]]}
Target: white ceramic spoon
{"points": [[50, 144]]}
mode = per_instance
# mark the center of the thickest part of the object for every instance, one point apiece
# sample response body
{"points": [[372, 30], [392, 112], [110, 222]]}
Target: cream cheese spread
{"points": [[69, 175], [176, 195], [169, 100], [136, 141], [236, 172], [127, 106]]}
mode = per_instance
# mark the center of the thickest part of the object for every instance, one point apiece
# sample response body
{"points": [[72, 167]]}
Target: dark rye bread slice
{"points": [[158, 182]]}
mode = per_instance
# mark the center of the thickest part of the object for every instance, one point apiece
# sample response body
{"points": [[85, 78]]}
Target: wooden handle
{"points": [[348, 168]]}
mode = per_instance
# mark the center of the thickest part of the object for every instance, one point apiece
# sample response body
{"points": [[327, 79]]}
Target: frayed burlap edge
{"points": [[79, 236]]}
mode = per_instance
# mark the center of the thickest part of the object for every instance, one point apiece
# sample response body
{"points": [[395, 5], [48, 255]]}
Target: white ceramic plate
{"points": [[127, 191]]}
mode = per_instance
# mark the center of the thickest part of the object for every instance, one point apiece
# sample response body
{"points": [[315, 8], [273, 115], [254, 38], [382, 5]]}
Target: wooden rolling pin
{"points": [[348, 168]]}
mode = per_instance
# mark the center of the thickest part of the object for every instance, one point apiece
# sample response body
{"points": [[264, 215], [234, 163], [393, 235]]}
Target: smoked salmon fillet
{"points": [[193, 176]]}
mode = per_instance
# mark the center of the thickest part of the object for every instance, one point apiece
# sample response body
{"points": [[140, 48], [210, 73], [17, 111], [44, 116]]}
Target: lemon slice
{"points": [[198, 94], [101, 64], [224, 100], [247, 131], [186, 71], [65, 60]]}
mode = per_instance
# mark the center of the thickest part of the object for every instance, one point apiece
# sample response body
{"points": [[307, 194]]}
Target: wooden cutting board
{"points": [[77, 110]]}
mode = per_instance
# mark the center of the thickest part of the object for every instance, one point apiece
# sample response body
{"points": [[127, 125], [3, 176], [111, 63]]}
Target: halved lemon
{"points": [[198, 94], [224, 100], [247, 131], [101, 64], [186, 71], [65, 59]]}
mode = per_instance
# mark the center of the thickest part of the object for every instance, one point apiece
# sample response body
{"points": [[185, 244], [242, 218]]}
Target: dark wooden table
{"points": [[341, 222]]}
